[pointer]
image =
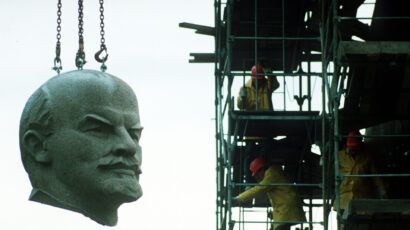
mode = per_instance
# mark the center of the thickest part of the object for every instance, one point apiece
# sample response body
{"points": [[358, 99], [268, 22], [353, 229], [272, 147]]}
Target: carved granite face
{"points": [[96, 142], [92, 151]]}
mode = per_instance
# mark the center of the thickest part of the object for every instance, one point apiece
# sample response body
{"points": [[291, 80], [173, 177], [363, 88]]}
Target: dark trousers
{"points": [[283, 227]]}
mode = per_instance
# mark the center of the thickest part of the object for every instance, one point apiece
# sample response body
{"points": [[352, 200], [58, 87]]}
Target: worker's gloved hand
{"points": [[382, 194], [235, 201], [243, 93]]}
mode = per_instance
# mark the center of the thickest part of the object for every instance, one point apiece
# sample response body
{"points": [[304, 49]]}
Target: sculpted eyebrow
{"points": [[137, 130], [94, 117], [137, 126]]}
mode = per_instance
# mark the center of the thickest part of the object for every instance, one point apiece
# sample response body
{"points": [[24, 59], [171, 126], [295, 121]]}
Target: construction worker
{"points": [[258, 83], [353, 159], [286, 204], [247, 101]]}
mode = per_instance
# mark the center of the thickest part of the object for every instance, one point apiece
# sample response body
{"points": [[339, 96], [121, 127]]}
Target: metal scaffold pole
{"points": [[218, 139], [323, 149], [335, 110], [229, 150]]}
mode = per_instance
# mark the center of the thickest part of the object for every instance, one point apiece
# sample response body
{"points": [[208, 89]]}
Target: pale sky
{"points": [[150, 52]]}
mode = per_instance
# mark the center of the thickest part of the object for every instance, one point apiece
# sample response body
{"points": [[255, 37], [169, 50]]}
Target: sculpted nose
{"points": [[124, 145]]}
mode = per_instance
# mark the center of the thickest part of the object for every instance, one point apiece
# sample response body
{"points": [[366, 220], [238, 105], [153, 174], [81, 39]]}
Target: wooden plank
{"points": [[372, 206], [202, 58], [200, 29], [373, 48]]}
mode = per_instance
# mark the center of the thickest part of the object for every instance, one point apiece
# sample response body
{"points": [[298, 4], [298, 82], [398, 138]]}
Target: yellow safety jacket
{"points": [[286, 204], [264, 95], [357, 187]]}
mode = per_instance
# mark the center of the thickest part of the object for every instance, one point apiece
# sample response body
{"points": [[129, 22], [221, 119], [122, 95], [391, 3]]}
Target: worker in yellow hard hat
{"points": [[286, 204], [258, 85], [354, 159]]}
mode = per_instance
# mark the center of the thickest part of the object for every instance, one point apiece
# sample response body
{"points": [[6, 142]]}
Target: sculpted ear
{"points": [[35, 144]]}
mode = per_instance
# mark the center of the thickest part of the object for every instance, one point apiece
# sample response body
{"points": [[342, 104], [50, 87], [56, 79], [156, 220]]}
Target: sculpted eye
{"points": [[96, 127]]}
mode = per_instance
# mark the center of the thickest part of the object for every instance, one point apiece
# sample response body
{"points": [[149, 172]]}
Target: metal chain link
{"points": [[103, 47], [57, 60], [80, 56], [102, 32]]}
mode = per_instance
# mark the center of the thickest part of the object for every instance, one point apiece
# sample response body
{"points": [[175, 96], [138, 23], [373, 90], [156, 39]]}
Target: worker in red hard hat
{"points": [[257, 72], [354, 159], [286, 204], [259, 85]]}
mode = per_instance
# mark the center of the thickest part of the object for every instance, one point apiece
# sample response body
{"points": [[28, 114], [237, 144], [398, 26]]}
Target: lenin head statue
{"points": [[79, 141]]}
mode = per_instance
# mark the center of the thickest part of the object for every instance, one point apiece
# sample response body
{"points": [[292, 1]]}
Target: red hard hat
{"points": [[256, 165], [354, 140], [258, 69]]}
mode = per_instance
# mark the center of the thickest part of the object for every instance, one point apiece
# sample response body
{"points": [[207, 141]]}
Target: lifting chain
{"points": [[80, 56], [57, 60], [101, 56], [103, 48]]}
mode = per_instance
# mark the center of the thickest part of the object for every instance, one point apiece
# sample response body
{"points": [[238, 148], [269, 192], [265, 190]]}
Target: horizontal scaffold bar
{"points": [[278, 222], [274, 38], [371, 18], [277, 184], [379, 136], [274, 117], [376, 175], [241, 74]]}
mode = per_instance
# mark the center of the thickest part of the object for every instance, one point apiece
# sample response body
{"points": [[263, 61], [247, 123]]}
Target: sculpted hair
{"points": [[36, 116]]}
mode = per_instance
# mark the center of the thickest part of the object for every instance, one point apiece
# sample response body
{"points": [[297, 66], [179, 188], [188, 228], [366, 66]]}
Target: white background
{"points": [[150, 52]]}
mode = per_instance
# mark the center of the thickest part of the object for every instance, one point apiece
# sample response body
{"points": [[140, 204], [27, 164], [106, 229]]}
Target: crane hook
{"points": [[98, 57]]}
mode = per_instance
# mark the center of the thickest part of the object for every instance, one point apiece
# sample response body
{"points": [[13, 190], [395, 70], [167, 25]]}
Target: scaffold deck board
{"points": [[275, 123], [376, 214], [373, 48]]}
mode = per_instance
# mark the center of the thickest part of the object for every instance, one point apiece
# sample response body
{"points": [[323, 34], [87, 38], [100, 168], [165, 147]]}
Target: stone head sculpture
{"points": [[79, 142]]}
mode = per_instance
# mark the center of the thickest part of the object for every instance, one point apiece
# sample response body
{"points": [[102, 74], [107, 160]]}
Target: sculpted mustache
{"points": [[127, 163]]}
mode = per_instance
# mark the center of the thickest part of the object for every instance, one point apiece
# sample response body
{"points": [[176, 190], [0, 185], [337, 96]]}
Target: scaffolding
{"points": [[271, 33], [370, 76], [306, 45]]}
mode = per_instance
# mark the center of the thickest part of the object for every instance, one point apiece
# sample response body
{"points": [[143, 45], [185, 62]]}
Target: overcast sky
{"points": [[150, 52]]}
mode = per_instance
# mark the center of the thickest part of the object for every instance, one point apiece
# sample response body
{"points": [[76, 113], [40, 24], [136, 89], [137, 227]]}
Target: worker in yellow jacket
{"points": [[247, 101], [355, 160], [286, 204], [258, 85]]}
